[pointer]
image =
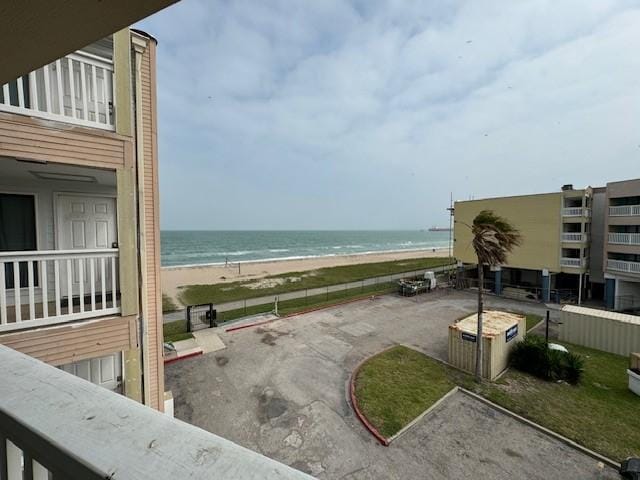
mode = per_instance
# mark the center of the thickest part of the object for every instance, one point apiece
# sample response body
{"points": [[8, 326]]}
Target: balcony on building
{"points": [[624, 235], [628, 263], [624, 206], [54, 425], [573, 233], [572, 258], [573, 207], [58, 244], [77, 89]]}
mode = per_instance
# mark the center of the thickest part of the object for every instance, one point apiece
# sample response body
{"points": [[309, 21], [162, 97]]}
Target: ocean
{"points": [[217, 247]]}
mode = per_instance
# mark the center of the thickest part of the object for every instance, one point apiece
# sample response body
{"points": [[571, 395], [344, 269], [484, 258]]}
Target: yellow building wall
{"points": [[536, 216]]}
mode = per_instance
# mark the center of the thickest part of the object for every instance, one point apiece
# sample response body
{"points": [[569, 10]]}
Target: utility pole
{"points": [[451, 212]]}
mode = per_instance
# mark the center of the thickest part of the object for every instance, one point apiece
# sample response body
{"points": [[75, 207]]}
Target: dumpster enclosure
{"points": [[500, 332]]}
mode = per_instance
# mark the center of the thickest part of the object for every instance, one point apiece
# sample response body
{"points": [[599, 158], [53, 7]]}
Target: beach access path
{"points": [[309, 292]]}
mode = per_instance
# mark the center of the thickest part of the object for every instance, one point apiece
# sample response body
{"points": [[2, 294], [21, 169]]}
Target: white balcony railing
{"points": [[624, 238], [574, 237], [623, 266], [624, 211], [576, 212], [56, 425], [56, 286], [572, 262], [75, 89]]}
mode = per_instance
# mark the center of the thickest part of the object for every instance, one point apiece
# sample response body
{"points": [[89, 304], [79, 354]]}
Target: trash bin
{"points": [[630, 469]]}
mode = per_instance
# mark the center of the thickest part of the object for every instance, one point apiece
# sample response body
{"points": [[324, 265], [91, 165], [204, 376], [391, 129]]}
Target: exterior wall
{"points": [[71, 343], [628, 188], [536, 216], [43, 140], [597, 234], [146, 127], [44, 192], [606, 331]]}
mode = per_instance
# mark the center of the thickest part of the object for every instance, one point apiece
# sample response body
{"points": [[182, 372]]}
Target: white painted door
{"points": [[85, 222], [104, 371]]}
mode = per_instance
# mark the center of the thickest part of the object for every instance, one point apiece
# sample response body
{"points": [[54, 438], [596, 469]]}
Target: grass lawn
{"points": [[396, 386], [599, 413], [175, 331], [532, 320], [276, 284]]}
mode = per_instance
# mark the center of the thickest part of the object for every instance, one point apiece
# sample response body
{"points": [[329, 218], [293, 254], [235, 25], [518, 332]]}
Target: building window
{"points": [[18, 233]]}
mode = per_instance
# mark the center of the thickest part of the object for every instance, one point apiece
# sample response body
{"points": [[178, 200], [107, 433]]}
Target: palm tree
{"points": [[493, 239]]}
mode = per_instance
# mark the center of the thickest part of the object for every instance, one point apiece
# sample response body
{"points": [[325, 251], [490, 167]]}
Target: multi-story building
{"points": [[79, 231], [621, 259], [576, 244], [553, 260]]}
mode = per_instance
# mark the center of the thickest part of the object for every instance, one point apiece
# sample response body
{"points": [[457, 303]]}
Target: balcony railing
{"points": [[55, 286], [574, 237], [75, 89], [572, 262], [624, 211], [56, 426], [576, 212], [624, 238], [623, 266]]}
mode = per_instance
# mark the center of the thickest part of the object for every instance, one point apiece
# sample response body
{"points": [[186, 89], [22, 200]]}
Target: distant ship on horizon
{"points": [[439, 229]]}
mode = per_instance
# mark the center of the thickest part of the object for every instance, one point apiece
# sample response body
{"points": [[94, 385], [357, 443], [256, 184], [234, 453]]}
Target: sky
{"points": [[368, 114]]}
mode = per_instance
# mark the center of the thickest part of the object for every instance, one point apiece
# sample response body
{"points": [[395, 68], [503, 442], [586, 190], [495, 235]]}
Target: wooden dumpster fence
{"points": [[496, 345], [611, 332]]}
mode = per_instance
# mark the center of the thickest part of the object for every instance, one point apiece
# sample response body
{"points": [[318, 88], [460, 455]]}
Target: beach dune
{"points": [[174, 277]]}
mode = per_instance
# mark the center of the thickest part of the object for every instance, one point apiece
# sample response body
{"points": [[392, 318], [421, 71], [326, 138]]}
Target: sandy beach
{"points": [[174, 277]]}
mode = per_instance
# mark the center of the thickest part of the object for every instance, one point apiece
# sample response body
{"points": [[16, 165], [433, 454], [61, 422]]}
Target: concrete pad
{"points": [[209, 341], [183, 345]]}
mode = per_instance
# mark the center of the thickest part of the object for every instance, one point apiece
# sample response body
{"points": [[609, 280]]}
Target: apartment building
{"points": [[553, 261], [79, 231], [577, 244], [621, 257]]}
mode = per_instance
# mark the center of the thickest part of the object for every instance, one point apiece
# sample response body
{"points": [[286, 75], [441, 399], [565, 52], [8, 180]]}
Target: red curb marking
{"points": [[354, 403], [189, 355]]}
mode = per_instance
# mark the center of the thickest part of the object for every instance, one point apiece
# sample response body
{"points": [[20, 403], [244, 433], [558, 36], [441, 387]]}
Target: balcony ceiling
{"points": [[37, 32], [21, 173]]}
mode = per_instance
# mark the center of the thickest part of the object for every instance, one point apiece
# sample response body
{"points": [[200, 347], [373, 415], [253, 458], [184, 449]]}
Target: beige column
{"points": [[127, 209]]}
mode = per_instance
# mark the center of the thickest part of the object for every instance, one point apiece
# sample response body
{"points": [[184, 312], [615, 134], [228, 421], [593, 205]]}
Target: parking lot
{"points": [[280, 389]]}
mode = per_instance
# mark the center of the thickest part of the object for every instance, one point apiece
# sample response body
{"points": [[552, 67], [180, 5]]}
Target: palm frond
{"points": [[494, 237]]}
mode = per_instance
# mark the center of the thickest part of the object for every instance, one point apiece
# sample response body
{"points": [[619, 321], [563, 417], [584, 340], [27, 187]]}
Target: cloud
{"points": [[366, 114]]}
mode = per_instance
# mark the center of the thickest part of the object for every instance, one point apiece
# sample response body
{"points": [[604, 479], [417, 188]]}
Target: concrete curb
{"points": [[354, 403], [542, 429], [183, 357]]}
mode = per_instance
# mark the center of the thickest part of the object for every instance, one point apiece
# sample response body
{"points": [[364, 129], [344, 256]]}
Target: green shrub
{"points": [[573, 368], [532, 356]]}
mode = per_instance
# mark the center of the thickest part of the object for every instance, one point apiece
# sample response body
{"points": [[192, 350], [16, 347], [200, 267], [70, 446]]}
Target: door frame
{"points": [[56, 204]]}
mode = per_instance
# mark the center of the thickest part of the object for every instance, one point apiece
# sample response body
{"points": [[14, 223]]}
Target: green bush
{"points": [[532, 356]]}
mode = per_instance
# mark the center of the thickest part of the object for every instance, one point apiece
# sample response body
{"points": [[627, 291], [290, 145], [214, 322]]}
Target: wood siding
{"points": [[151, 227], [76, 341], [48, 141]]}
